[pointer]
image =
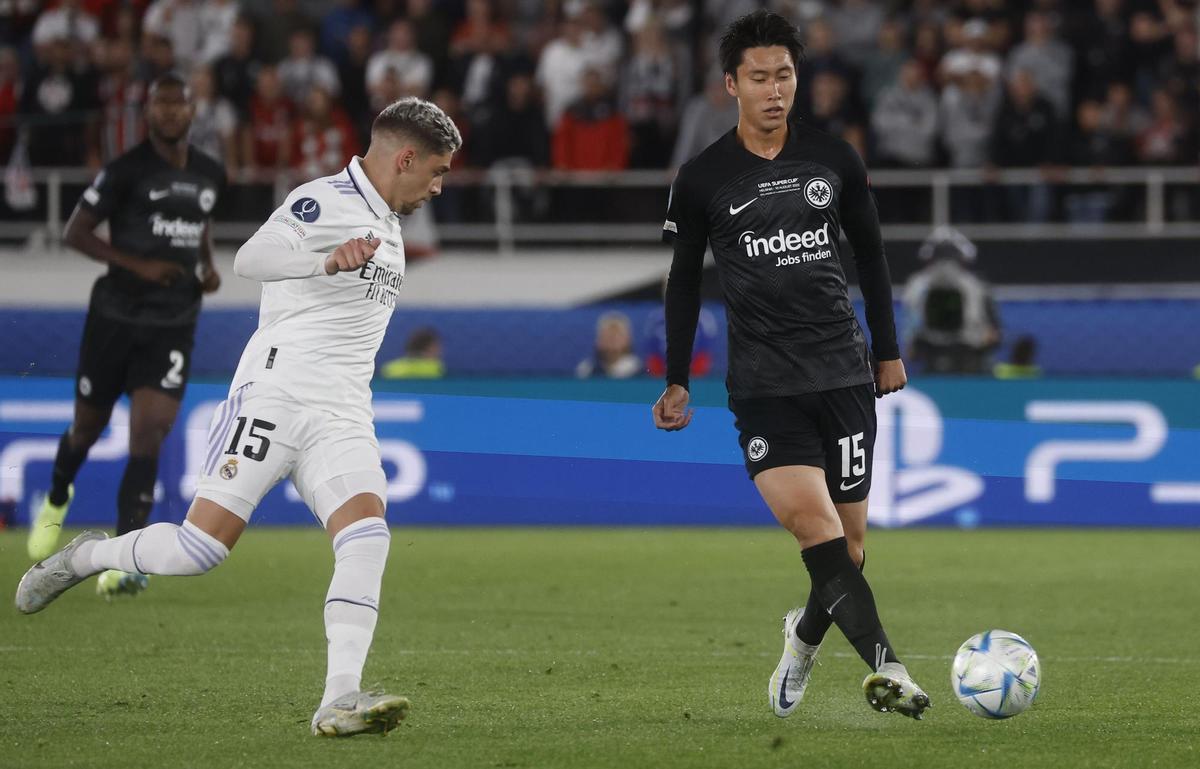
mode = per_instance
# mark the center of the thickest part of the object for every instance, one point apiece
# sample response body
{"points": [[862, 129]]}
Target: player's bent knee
{"points": [[220, 516], [204, 551]]}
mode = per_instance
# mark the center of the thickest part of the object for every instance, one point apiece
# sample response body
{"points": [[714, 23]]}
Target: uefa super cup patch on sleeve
{"points": [[669, 226], [292, 223]]}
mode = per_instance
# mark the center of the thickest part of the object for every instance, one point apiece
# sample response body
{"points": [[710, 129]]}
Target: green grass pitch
{"points": [[611, 648]]}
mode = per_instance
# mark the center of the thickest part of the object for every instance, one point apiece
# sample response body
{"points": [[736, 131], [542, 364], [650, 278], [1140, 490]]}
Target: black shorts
{"points": [[833, 430], [117, 357]]}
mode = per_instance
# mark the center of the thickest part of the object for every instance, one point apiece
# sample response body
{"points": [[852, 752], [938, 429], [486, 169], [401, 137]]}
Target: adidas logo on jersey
{"points": [[784, 242]]}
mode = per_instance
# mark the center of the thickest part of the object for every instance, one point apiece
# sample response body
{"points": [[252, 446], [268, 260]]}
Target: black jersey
{"points": [[774, 227], [154, 211]]}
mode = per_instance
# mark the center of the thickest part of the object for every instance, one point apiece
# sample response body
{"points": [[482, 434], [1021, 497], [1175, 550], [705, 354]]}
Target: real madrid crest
{"points": [[229, 470]]}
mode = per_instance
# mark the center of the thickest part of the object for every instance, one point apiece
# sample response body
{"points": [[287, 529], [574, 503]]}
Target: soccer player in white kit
{"points": [[331, 261]]}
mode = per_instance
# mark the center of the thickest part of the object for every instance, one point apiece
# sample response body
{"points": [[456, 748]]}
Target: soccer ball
{"points": [[995, 674]]}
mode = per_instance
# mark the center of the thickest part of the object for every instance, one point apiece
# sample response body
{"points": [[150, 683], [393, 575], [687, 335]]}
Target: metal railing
{"points": [[505, 231]]}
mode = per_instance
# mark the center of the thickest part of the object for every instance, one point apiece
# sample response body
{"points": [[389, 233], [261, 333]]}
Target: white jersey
{"points": [[318, 334]]}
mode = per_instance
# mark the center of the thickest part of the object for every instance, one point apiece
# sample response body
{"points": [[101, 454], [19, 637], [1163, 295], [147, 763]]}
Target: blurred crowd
{"points": [[604, 84]]}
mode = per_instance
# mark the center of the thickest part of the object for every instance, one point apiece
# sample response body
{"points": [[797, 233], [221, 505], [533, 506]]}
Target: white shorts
{"points": [[260, 436]]}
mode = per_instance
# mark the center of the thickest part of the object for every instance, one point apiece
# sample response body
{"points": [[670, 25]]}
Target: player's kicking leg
{"points": [[48, 514], [361, 540], [199, 545], [798, 497]]}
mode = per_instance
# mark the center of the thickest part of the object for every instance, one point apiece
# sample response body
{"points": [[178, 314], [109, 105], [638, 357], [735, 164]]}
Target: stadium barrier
{"points": [[1143, 337], [504, 207], [557, 452]]}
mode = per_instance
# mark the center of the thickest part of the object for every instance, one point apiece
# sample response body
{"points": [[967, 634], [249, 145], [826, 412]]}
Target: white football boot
{"points": [[791, 675], [360, 713], [891, 689], [50, 578]]}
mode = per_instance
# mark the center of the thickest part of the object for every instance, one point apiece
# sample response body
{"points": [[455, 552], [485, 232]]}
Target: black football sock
{"points": [[135, 499], [843, 592], [66, 465], [815, 622]]}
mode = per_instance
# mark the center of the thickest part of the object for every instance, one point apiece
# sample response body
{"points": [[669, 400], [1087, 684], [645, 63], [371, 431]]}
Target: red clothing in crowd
{"points": [[319, 151], [592, 138], [271, 132]]}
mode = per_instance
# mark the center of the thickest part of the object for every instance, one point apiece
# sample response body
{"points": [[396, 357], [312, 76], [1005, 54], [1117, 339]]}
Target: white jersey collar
{"points": [[361, 183]]}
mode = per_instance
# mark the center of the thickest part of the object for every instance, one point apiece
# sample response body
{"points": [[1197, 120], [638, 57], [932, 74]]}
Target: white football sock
{"points": [[161, 548], [352, 604]]}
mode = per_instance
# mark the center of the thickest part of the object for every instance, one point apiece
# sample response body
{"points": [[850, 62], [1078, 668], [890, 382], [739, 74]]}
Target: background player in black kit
{"points": [[771, 197], [158, 199]]}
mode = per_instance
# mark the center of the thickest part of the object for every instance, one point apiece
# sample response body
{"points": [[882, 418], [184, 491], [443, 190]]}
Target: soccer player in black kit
{"points": [[158, 199], [771, 197]]}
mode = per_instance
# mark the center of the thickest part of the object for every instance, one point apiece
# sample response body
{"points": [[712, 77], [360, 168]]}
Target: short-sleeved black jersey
{"points": [[154, 211], [774, 227]]}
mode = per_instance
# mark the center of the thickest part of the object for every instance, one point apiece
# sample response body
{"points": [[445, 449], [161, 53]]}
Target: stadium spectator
{"points": [[1094, 144], [1048, 59], [927, 49], [323, 139], [516, 130], [235, 72], [974, 54], [179, 22], [215, 122], [1025, 134], [560, 70], [10, 94], [651, 88], [422, 357], [882, 61], [1121, 115], [613, 357], [833, 112], [592, 135], [706, 118], [58, 106], [122, 95], [1167, 138], [304, 69], [336, 25], [432, 32], [158, 57], [856, 25], [969, 103], [905, 120], [412, 67], [1100, 37], [677, 18], [275, 30], [266, 145], [69, 21], [602, 42], [217, 20], [820, 57], [352, 71]]}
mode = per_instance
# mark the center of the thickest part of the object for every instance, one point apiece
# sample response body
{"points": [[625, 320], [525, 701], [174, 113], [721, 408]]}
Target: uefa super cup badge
{"points": [[229, 470], [756, 449]]}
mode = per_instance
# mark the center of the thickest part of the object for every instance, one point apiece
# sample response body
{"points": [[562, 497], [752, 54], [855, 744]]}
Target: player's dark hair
{"points": [[169, 80], [422, 121], [761, 29]]}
